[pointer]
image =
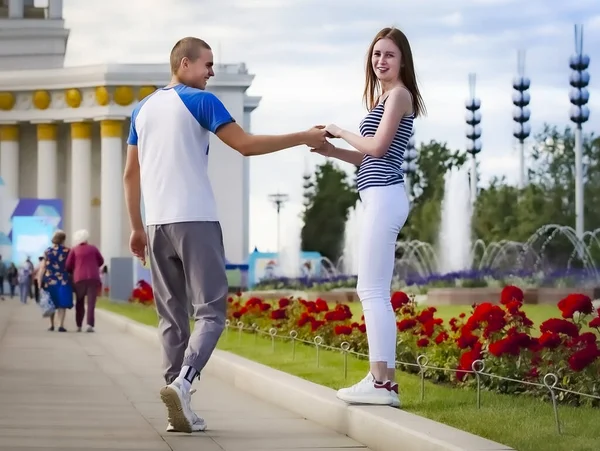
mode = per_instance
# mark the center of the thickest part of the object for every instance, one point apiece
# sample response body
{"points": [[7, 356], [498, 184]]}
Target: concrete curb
{"points": [[378, 428]]}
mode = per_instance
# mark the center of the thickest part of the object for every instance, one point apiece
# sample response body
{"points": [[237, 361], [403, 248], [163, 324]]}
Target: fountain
{"points": [[455, 230], [289, 255], [348, 263]]}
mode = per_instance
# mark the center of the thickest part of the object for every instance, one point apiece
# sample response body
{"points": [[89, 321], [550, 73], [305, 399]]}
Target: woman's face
{"points": [[386, 60]]}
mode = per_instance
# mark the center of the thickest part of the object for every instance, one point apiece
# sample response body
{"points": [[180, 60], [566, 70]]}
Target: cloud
{"points": [[308, 57]]}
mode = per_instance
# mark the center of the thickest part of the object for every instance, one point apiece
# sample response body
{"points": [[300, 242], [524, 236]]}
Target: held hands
{"points": [[137, 244], [333, 130], [315, 136]]}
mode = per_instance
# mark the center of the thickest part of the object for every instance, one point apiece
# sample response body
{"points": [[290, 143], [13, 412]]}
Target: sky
{"points": [[308, 60]]}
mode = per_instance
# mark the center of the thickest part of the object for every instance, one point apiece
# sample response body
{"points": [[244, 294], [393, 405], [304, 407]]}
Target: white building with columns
{"points": [[63, 130]]}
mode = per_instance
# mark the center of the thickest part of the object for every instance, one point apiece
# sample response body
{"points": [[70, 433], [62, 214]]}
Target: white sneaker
{"points": [[180, 413], [198, 425], [394, 395], [367, 391], [90, 329]]}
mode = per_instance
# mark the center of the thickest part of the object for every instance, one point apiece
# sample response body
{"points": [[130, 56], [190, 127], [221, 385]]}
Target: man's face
{"points": [[197, 73]]}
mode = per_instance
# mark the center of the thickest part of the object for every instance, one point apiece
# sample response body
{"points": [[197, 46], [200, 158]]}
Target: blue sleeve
{"points": [[132, 140], [208, 110]]}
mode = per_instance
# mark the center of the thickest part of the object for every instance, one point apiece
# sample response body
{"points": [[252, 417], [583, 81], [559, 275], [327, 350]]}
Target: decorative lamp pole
{"points": [[580, 113], [473, 118], [521, 112], [409, 166], [278, 199]]}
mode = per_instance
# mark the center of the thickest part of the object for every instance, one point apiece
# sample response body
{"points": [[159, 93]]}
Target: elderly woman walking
{"points": [[84, 262], [54, 278]]}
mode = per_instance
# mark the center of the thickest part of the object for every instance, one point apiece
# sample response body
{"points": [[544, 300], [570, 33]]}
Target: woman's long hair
{"points": [[407, 72]]}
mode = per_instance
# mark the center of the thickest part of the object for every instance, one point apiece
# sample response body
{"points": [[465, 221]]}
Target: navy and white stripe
{"points": [[386, 170]]}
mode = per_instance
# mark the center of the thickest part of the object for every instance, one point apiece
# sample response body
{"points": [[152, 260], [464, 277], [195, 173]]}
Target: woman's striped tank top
{"points": [[386, 170]]}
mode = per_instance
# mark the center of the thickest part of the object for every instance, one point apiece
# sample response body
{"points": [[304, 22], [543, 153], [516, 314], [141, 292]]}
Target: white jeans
{"points": [[385, 212]]}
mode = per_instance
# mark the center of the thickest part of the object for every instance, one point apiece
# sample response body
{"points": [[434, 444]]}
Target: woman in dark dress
{"points": [[54, 278]]}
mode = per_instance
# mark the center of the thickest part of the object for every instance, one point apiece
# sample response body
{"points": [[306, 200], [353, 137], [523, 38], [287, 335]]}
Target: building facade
{"points": [[63, 130]]}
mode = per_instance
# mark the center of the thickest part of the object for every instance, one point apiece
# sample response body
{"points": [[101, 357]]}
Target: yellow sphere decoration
{"points": [[7, 101], [41, 100], [145, 91], [123, 95], [73, 98], [102, 96]]}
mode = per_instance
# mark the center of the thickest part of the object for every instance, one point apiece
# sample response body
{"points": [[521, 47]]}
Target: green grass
{"points": [[525, 423]]}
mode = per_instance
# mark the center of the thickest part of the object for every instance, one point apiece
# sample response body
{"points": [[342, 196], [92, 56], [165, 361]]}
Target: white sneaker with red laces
{"points": [[394, 395], [367, 391]]}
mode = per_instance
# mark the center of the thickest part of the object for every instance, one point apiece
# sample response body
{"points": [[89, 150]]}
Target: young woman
{"points": [[393, 101]]}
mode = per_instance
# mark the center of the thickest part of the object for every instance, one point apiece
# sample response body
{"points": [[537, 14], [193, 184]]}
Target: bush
{"points": [[500, 335]]}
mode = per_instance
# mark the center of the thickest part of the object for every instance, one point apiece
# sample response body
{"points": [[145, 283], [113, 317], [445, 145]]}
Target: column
{"points": [[81, 176], [9, 159], [15, 9], [55, 9], [46, 161], [111, 188]]}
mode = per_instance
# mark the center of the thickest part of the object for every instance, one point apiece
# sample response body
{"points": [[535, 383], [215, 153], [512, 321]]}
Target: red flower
{"points": [[342, 330], [511, 293], [315, 325], [584, 357], [513, 307], [363, 328], [550, 340], [574, 303], [595, 322], [253, 302], [422, 342], [284, 302], [467, 359], [264, 307], [466, 339], [278, 314], [321, 305], [442, 337], [399, 300], [406, 324], [511, 344], [426, 315], [305, 318], [560, 326]]}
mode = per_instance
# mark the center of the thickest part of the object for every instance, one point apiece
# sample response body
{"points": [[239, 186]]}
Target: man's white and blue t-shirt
{"points": [[171, 128]]}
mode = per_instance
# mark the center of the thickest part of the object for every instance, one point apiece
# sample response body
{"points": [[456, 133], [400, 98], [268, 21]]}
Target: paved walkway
{"points": [[100, 391]]}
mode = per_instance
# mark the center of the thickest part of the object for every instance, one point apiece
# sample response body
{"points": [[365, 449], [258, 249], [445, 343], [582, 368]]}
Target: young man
{"points": [[167, 162]]}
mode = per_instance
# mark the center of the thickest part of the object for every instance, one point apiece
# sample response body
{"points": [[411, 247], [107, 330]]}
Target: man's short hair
{"points": [[189, 48]]}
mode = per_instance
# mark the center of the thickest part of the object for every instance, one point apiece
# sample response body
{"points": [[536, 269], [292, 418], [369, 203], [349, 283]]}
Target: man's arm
{"points": [[131, 185], [249, 145]]}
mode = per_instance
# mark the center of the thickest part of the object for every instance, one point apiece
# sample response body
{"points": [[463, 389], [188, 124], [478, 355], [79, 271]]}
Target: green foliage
{"points": [[328, 196]]}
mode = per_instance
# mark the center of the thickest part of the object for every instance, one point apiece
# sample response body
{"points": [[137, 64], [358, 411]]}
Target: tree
{"points": [[504, 212], [328, 196]]}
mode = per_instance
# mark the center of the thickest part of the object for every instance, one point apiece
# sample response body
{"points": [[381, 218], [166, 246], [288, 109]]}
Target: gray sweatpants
{"points": [[187, 261]]}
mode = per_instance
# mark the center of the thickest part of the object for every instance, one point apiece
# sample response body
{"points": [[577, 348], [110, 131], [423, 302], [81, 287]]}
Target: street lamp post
{"points": [[521, 113], [580, 113], [278, 200], [473, 118]]}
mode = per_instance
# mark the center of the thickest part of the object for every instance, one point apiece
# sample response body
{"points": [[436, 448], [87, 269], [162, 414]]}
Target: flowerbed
{"points": [[500, 335]]}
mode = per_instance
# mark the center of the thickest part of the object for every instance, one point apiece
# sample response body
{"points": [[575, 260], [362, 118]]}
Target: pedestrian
{"points": [[167, 164], [84, 263], [393, 102]]}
